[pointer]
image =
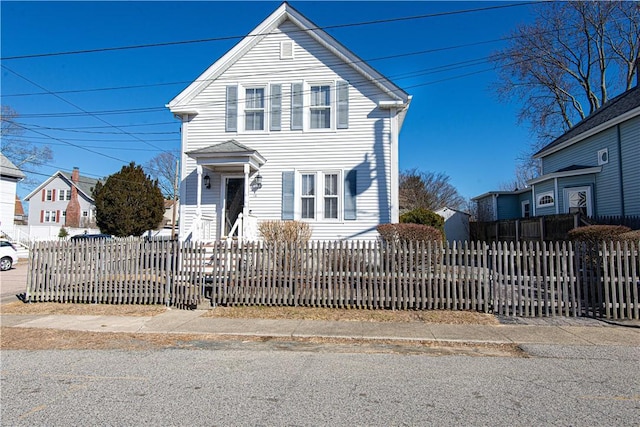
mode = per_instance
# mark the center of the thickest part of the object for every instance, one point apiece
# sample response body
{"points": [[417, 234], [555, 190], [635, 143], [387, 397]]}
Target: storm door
{"points": [[233, 203], [578, 200]]}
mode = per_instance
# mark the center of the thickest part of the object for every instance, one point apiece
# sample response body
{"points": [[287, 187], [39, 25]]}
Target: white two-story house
{"points": [[289, 125]]}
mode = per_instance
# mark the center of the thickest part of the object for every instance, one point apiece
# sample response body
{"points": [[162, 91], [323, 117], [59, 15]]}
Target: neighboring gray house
{"points": [[593, 168], [289, 125], [63, 199], [456, 224], [9, 177]]}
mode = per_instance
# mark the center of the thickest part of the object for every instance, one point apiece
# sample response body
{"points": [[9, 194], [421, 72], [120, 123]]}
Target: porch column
{"points": [[245, 208], [199, 190]]}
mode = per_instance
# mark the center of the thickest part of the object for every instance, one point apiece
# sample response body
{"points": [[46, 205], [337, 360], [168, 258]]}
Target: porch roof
{"points": [[227, 154]]}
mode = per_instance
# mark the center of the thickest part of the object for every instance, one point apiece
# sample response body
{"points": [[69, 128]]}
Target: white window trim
{"points": [[540, 196], [319, 196], [242, 103], [52, 217], [49, 196], [282, 49], [306, 111]]}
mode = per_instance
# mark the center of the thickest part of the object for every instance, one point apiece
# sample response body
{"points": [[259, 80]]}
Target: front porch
{"points": [[226, 173]]}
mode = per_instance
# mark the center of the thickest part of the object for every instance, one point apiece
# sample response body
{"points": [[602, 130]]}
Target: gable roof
{"points": [[8, 169], [616, 110], [179, 104], [85, 184]]}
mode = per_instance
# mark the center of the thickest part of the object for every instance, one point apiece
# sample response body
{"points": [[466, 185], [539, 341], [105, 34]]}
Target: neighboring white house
{"points": [[456, 224], [289, 124], [63, 200], [9, 177]]}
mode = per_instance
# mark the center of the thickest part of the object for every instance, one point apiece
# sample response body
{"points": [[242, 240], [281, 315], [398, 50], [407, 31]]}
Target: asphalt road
{"points": [[13, 281], [577, 386]]}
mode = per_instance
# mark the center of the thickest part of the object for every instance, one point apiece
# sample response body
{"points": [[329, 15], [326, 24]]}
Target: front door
{"points": [[233, 203], [578, 200]]}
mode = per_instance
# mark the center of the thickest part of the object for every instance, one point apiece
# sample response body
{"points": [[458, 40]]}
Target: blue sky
{"points": [[456, 125]]}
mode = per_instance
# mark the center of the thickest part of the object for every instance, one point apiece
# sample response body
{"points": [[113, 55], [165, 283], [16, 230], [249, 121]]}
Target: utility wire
{"points": [[80, 108], [355, 24]]}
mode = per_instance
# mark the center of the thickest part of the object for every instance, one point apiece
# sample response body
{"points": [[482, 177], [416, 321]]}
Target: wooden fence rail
{"points": [[517, 279]]}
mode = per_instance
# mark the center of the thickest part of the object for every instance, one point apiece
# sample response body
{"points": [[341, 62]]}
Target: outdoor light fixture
{"points": [[207, 181], [258, 181]]}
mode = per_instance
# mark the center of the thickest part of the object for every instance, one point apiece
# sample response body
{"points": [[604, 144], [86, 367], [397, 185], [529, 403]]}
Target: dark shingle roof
{"points": [[615, 107], [85, 184]]}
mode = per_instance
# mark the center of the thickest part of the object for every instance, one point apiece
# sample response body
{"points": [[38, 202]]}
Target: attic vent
{"points": [[603, 157], [286, 50]]}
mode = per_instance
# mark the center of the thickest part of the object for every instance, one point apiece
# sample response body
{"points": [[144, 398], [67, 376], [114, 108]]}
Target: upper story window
{"points": [[320, 107], [49, 195], [254, 108], [545, 200], [64, 194]]}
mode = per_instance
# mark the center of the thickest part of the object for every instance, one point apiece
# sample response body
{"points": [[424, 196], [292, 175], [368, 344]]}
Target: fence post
{"points": [[542, 228]]}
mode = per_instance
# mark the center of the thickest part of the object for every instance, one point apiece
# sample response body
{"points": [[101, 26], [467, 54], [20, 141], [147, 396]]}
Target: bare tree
{"points": [[571, 60], [163, 168], [21, 153], [427, 190]]}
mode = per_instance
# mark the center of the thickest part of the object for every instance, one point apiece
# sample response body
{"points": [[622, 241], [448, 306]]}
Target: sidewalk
{"points": [[585, 332]]}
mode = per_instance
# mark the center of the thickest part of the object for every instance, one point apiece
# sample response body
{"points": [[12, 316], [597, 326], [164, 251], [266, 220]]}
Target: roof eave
{"points": [[601, 127]]}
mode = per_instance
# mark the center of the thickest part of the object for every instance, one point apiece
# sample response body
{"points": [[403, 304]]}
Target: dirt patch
{"points": [[43, 308], [354, 315], [49, 339], [261, 312]]}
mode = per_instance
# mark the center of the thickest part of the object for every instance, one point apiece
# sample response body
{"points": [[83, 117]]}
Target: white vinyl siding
{"points": [[363, 147]]}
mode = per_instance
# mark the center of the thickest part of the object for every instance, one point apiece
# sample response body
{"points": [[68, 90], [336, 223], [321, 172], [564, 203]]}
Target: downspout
{"points": [[622, 210], [557, 195]]}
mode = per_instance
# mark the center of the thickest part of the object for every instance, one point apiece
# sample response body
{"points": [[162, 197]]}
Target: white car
{"points": [[8, 255]]}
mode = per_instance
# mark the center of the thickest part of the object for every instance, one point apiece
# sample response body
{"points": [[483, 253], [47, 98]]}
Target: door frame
{"points": [[585, 188]]}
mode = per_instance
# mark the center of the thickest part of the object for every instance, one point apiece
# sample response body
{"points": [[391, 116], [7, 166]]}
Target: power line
{"points": [[78, 130], [79, 108], [355, 24]]}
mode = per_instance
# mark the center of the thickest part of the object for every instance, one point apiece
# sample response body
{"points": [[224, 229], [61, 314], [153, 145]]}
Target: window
{"points": [[308, 196], [331, 196], [85, 214], [64, 194], [320, 107], [254, 109], [49, 195], [526, 209], [546, 200], [603, 157], [49, 216]]}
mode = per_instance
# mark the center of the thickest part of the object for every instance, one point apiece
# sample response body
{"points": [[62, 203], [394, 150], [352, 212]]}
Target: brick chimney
{"points": [[73, 208]]}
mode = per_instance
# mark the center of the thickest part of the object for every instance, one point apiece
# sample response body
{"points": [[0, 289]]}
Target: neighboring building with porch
{"points": [[592, 169], [289, 125]]}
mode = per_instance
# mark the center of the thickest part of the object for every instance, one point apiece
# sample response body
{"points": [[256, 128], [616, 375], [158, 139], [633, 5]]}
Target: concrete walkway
{"points": [[563, 331]]}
